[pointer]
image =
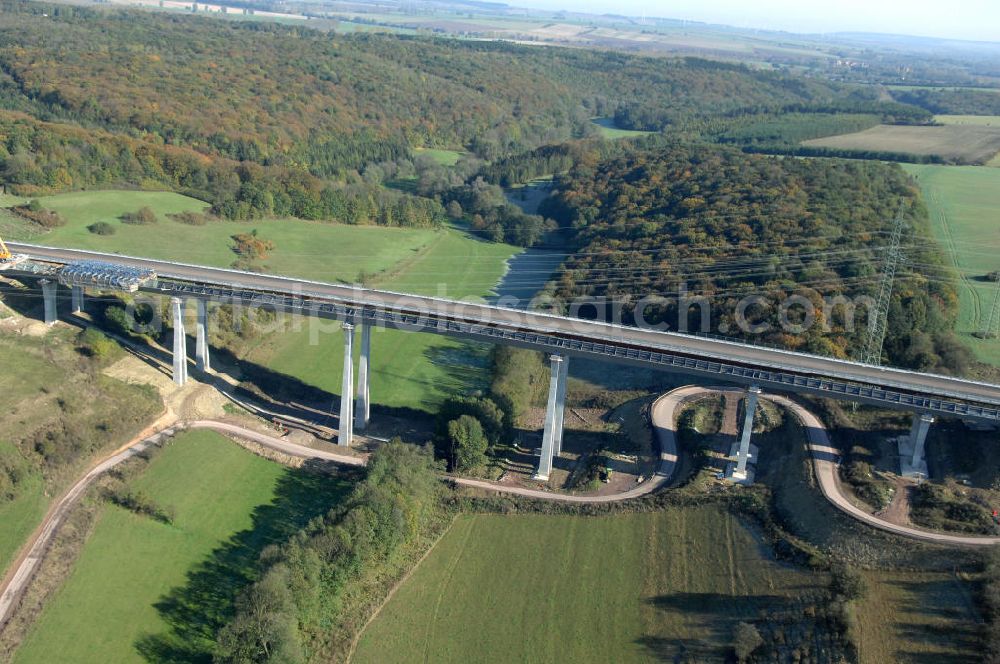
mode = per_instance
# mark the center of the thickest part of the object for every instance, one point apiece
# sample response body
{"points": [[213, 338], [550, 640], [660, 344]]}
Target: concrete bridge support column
{"points": [[739, 472], [77, 299], [555, 404], [911, 449], [363, 405], [49, 300], [347, 389], [561, 406], [201, 356], [180, 341]]}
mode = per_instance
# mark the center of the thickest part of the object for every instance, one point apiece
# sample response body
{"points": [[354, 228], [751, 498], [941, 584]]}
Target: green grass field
{"points": [[974, 120], [145, 591], [609, 130], [443, 157], [934, 604], [628, 588], [963, 202], [409, 370], [21, 515], [312, 250]]}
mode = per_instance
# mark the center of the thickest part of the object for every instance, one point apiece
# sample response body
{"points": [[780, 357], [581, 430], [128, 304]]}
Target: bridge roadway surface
{"points": [[663, 416], [909, 390]]}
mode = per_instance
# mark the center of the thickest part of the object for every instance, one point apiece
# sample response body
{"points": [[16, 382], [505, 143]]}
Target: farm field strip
{"points": [[891, 613], [972, 120], [963, 202], [582, 589], [970, 143]]}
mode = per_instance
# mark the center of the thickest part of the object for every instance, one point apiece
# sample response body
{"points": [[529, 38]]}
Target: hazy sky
{"points": [[961, 19]]}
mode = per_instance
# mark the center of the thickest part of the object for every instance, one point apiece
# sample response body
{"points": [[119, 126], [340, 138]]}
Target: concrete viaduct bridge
{"points": [[925, 395]]}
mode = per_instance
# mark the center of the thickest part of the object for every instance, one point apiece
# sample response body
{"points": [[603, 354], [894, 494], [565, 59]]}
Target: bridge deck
{"points": [[741, 363]]}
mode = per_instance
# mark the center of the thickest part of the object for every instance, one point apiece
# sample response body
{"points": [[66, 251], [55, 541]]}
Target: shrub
{"points": [[36, 213], [101, 228], [190, 218], [264, 624], [746, 639], [300, 590], [144, 215], [520, 379], [96, 344], [467, 443], [118, 320], [847, 582], [13, 470], [140, 503], [248, 246]]}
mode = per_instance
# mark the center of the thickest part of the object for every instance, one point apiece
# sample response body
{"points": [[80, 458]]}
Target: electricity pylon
{"points": [[872, 353], [990, 326]]}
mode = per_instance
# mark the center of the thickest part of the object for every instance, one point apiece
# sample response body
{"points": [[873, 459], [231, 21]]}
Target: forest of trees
{"points": [[264, 119], [42, 157], [307, 584], [728, 224], [275, 94], [951, 101]]}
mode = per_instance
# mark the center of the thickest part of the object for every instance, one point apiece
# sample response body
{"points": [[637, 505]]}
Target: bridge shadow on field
{"points": [[199, 608], [465, 368], [280, 393]]}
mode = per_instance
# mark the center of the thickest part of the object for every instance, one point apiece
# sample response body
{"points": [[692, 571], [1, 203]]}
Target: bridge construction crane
{"points": [[6, 258]]}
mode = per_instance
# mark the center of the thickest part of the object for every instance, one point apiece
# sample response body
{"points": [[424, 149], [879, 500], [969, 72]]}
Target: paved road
{"points": [[668, 460], [533, 322], [825, 457]]}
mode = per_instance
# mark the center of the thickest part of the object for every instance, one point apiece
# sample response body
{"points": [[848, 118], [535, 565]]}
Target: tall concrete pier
{"points": [[553, 423], [201, 355], [49, 300], [363, 405], [180, 340], [347, 389]]}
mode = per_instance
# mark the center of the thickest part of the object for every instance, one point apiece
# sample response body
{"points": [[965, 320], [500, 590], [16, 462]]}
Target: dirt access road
{"points": [[24, 568], [825, 457], [663, 415]]}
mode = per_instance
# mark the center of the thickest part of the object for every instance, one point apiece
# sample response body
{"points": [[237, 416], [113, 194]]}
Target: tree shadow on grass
{"points": [[199, 608], [718, 614]]}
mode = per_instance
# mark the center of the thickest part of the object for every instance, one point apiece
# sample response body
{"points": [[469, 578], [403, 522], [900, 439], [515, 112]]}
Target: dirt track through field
{"points": [[953, 253]]}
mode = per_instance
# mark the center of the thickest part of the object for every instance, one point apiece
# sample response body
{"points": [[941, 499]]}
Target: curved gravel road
{"points": [[825, 457]]}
